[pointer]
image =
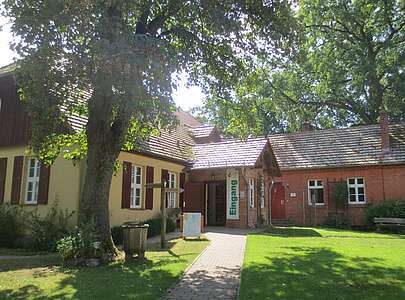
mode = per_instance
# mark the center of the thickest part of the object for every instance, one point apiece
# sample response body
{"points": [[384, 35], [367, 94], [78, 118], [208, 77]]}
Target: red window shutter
{"points": [[17, 178], [165, 179], [149, 191], [3, 174], [126, 185], [182, 184], [43, 188]]}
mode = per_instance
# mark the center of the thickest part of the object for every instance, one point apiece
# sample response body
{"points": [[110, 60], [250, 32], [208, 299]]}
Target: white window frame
{"points": [[356, 186], [261, 192], [32, 186], [316, 186], [136, 173], [251, 195], [172, 196]]}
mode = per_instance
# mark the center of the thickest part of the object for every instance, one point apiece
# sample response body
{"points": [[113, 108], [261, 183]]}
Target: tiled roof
{"points": [[202, 131], [354, 146], [231, 153]]}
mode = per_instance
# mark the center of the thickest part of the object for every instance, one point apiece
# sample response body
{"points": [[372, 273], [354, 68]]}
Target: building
{"points": [[231, 182]]}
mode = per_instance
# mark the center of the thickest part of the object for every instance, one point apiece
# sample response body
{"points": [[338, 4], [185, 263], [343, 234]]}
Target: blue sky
{"points": [[185, 97]]}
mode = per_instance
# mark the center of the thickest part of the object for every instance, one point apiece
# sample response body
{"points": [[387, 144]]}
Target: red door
{"points": [[278, 201], [194, 197]]}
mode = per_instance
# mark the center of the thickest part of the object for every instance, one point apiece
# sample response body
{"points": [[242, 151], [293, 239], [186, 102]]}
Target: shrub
{"points": [[154, 226], [83, 243], [337, 221], [46, 231], [386, 209], [12, 225], [339, 195]]}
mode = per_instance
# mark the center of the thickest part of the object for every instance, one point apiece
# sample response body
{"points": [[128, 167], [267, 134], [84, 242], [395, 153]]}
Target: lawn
{"points": [[306, 263], [41, 277]]}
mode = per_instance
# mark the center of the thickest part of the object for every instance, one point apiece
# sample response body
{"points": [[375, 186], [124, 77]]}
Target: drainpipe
{"points": [[270, 201], [243, 170]]}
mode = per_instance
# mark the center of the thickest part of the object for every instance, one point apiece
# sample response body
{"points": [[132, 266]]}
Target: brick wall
{"points": [[380, 183]]}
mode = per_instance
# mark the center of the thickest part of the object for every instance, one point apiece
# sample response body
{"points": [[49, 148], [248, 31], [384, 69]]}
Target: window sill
{"points": [[357, 204], [30, 204], [136, 208], [317, 205]]}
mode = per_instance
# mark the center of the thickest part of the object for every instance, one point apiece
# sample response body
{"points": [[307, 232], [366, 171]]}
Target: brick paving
{"points": [[216, 273]]}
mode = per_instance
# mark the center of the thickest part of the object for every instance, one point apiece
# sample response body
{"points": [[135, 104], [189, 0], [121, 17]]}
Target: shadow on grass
{"points": [[40, 261], [291, 232], [137, 279], [321, 273]]}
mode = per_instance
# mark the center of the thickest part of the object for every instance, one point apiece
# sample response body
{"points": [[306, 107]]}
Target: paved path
{"points": [[216, 272]]}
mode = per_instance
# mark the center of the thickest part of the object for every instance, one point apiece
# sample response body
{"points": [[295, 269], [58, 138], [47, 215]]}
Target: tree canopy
{"points": [[349, 65], [113, 61]]}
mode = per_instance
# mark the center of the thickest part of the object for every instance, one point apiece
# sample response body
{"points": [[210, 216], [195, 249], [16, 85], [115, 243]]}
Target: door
{"points": [[220, 202], [278, 201], [194, 197]]}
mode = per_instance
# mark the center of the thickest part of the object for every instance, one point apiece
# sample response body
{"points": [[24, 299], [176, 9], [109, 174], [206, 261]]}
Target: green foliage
{"points": [[12, 225], [340, 194], [347, 65], [83, 243], [339, 221], [115, 61], [153, 230], [386, 209], [46, 230]]}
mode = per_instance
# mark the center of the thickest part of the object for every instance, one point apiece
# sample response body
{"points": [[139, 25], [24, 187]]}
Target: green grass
{"points": [[309, 263], [42, 278]]}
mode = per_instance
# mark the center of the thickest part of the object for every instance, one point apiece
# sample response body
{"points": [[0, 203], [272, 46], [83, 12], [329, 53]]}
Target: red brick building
{"points": [[290, 176]]}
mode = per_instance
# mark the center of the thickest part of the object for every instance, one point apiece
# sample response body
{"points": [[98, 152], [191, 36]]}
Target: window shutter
{"points": [[43, 188], [149, 191], [182, 184], [126, 185], [3, 173], [165, 178], [17, 178]]}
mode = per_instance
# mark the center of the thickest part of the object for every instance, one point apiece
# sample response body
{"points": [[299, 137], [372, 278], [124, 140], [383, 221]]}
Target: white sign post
{"points": [[232, 186]]}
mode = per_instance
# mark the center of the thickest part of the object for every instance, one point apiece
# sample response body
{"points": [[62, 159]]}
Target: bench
{"points": [[389, 223]]}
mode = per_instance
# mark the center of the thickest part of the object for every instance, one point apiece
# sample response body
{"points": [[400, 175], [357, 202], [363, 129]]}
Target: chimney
{"points": [[385, 134], [306, 127]]}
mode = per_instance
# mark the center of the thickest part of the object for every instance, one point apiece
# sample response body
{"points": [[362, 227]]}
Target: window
{"points": [[251, 192], [315, 192], [356, 190], [171, 196], [136, 186], [261, 191], [33, 171]]}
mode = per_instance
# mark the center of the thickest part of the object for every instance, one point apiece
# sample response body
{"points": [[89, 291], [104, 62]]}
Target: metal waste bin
{"points": [[134, 239]]}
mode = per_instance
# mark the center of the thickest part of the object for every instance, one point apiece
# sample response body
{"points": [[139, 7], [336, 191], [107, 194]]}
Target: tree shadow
{"points": [[223, 283], [291, 232], [40, 261], [321, 273]]}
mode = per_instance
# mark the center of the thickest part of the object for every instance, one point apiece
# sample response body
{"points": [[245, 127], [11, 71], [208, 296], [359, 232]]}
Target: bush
{"points": [[339, 195], [338, 221], [386, 209], [12, 225], [153, 230], [46, 231], [154, 226], [83, 243]]}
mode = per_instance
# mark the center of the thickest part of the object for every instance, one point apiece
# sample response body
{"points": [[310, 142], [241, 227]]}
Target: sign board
{"points": [[191, 225], [232, 186]]}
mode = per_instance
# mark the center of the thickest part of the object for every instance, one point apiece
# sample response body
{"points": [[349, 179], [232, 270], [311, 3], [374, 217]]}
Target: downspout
{"points": [[246, 195], [270, 201]]}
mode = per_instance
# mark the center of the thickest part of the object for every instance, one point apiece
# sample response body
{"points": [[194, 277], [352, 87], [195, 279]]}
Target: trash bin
{"points": [[134, 239]]}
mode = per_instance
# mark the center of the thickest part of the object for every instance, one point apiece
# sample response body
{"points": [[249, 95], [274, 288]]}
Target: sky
{"points": [[185, 97]]}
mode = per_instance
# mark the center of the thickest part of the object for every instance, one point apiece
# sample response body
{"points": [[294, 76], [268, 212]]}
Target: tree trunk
{"points": [[94, 202]]}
